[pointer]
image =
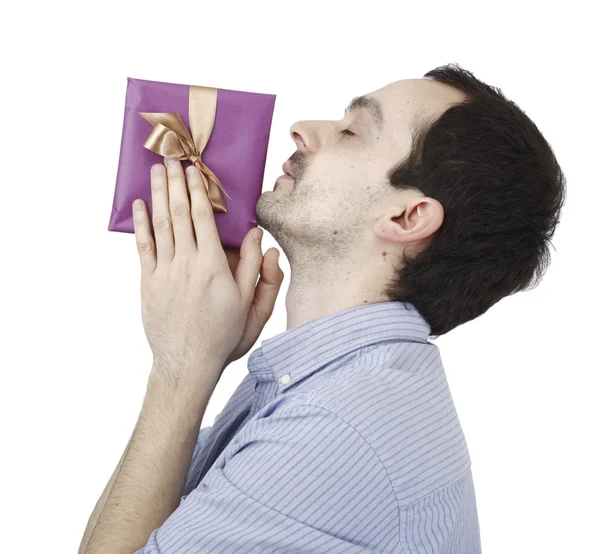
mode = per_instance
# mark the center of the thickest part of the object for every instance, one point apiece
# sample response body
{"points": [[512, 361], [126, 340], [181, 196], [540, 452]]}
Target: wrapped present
{"points": [[224, 133]]}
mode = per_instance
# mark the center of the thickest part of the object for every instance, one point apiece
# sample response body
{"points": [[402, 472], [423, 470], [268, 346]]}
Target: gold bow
{"points": [[171, 139]]}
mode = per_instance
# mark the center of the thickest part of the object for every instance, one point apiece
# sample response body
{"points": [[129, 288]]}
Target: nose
{"points": [[298, 135], [310, 136]]}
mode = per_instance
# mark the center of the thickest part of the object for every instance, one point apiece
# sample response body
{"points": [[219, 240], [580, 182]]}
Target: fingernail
{"points": [[170, 161], [258, 235]]}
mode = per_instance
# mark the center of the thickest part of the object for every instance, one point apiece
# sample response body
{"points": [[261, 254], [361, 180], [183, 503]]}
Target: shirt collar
{"points": [[292, 355]]}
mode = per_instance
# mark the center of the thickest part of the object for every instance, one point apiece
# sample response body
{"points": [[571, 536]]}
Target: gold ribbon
{"points": [[171, 139]]}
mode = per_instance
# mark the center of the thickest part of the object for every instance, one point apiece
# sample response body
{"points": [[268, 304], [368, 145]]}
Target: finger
{"points": [[161, 217], [249, 265], [203, 217], [263, 303], [179, 206], [267, 289], [143, 237]]}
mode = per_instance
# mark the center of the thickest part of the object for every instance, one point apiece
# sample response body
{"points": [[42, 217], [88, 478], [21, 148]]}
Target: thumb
{"points": [[248, 267], [265, 295], [267, 289]]}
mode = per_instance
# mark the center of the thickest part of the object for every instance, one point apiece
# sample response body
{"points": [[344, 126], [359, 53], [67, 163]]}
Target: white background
{"points": [[74, 356]]}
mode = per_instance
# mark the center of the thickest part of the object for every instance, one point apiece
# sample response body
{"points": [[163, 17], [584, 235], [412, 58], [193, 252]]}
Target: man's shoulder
{"points": [[408, 418], [378, 379]]}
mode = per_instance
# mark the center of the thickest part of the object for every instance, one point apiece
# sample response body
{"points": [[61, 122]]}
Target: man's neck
{"points": [[325, 296]]}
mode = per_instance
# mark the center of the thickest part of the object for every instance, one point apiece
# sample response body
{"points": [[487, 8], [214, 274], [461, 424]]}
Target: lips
{"points": [[287, 168]]}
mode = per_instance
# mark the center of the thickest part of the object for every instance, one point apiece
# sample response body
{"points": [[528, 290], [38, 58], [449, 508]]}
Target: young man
{"points": [[426, 204]]}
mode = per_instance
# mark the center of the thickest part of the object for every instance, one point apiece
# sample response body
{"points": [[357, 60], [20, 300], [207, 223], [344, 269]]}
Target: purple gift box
{"points": [[227, 141]]}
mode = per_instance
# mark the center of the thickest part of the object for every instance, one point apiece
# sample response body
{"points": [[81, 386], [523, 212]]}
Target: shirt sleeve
{"points": [[241, 396], [200, 444], [444, 521], [297, 479]]}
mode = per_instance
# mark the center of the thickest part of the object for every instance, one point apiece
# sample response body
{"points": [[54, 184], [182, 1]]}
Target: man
{"points": [[427, 203]]}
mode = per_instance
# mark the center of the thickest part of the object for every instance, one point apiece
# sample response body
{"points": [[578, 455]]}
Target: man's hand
{"points": [[200, 305], [265, 295], [198, 301]]}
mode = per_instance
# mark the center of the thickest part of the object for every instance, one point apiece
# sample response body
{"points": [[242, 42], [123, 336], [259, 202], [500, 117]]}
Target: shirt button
{"points": [[285, 379]]}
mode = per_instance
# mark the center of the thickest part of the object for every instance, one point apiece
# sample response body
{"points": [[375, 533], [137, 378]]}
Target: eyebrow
{"points": [[373, 105]]}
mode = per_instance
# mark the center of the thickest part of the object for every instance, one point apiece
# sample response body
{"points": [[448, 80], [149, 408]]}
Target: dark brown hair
{"points": [[502, 191]]}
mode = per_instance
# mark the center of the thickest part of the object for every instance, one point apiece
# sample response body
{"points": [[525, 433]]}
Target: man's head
{"points": [[436, 191]]}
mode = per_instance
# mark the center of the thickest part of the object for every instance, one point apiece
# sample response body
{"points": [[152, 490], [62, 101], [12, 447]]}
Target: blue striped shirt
{"points": [[343, 437]]}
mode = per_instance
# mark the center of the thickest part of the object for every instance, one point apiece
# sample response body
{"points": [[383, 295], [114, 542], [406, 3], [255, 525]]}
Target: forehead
{"points": [[402, 100]]}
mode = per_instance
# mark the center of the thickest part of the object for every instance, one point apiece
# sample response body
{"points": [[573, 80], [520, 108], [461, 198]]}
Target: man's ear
{"points": [[417, 219]]}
